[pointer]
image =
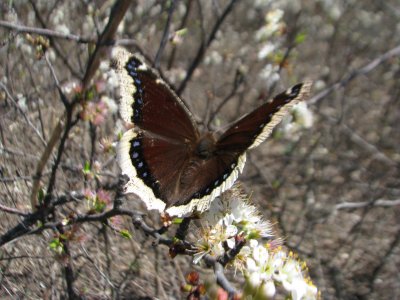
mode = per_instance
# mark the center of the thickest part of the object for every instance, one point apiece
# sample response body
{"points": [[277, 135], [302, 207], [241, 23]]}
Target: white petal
{"points": [[299, 288], [231, 230], [260, 254], [251, 265], [253, 243], [255, 280], [231, 243], [268, 289]]}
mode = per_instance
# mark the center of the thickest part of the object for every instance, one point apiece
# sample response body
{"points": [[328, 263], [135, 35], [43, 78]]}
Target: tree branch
{"points": [[379, 202], [45, 32]]}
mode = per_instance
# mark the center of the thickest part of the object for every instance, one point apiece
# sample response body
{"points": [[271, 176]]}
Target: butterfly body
{"points": [[171, 165]]}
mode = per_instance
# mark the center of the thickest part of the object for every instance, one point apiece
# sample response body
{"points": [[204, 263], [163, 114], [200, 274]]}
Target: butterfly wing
{"points": [[253, 128], [220, 171], [154, 152], [148, 102], [206, 179], [159, 153]]}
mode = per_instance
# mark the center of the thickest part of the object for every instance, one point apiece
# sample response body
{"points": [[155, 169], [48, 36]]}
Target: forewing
{"points": [[154, 152], [252, 129], [149, 103]]}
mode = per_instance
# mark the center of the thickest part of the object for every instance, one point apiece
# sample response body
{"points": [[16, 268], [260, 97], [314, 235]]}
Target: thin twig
{"points": [[239, 78], [212, 262], [68, 270], [12, 210], [63, 97], [352, 75], [165, 35], [181, 26], [69, 125], [106, 38], [20, 178], [365, 145], [379, 202], [45, 32], [202, 49], [42, 163], [20, 153], [22, 113], [183, 228], [61, 35], [102, 274]]}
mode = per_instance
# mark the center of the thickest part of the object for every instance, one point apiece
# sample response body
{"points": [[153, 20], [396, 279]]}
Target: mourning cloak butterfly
{"points": [[171, 165]]}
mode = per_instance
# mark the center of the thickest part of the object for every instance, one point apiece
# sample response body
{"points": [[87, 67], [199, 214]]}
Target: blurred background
{"points": [[330, 185]]}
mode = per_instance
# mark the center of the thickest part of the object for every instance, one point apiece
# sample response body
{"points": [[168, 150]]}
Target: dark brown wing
{"points": [[219, 172], [149, 103], [155, 152], [207, 178], [160, 155], [252, 129]]}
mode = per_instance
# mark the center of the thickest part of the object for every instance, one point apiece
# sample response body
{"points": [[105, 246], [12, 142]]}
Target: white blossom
{"points": [[214, 58], [269, 74], [266, 50], [267, 268], [303, 115], [272, 25]]}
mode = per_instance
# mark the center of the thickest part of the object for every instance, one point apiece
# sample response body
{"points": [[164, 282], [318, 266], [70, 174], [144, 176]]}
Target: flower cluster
{"points": [[230, 215], [264, 265], [97, 201], [273, 23], [232, 209], [300, 118], [95, 112], [268, 267], [273, 27]]}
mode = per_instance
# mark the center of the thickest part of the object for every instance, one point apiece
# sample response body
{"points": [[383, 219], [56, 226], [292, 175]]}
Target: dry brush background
{"points": [[333, 190]]}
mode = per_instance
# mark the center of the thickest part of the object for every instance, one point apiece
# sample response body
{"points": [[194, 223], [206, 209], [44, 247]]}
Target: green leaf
{"points": [[181, 32], [100, 206], [176, 240], [300, 38], [278, 57], [90, 94], [177, 220], [253, 234], [41, 196], [125, 234], [86, 168], [57, 246], [120, 134], [275, 184]]}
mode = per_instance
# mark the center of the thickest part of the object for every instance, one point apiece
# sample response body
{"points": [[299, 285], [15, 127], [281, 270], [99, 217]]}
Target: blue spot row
{"points": [[138, 96], [208, 190], [142, 169]]}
